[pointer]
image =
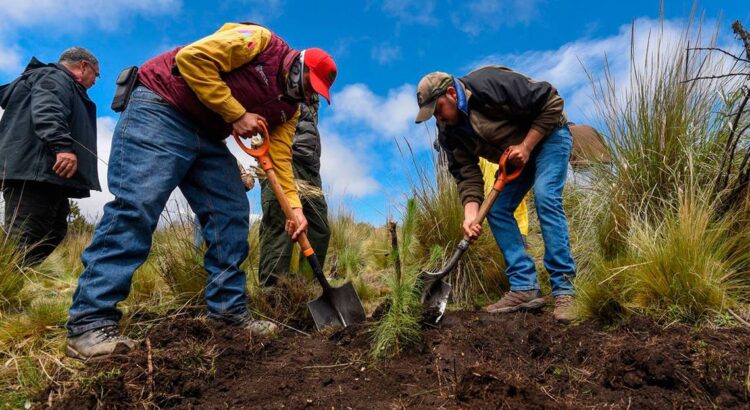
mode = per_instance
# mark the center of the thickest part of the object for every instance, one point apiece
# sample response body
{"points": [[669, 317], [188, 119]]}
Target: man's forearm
{"points": [[532, 139]]}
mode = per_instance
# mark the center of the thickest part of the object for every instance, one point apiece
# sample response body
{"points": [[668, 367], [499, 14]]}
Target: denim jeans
{"points": [[155, 150], [546, 172]]}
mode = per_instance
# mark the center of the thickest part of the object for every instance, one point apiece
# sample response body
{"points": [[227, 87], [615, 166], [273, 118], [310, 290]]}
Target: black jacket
{"points": [[306, 146], [501, 107], [46, 112]]}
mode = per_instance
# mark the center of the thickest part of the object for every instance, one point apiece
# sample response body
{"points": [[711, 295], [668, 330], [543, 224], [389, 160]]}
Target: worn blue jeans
{"points": [[546, 172], [155, 150]]}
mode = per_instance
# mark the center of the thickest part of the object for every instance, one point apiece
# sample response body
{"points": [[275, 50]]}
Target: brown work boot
{"points": [[565, 310], [515, 301]]}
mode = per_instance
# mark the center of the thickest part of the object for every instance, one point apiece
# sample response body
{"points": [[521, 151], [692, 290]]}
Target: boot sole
{"points": [[534, 304]]}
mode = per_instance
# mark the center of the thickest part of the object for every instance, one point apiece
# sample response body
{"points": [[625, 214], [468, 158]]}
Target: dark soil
{"points": [[473, 360]]}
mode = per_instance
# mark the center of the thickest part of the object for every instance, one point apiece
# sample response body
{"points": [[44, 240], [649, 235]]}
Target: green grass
{"points": [[647, 234], [11, 274], [438, 229]]}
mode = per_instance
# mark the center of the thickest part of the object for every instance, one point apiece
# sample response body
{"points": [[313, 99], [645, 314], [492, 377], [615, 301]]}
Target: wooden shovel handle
{"points": [[502, 178]]}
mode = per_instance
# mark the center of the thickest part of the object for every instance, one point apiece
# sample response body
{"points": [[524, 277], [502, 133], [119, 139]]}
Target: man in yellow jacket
{"points": [[170, 135]]}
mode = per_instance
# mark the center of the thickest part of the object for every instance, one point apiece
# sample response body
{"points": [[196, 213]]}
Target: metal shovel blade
{"points": [[337, 307], [435, 300]]}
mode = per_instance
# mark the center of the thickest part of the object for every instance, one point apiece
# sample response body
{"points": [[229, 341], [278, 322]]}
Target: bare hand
{"points": [[519, 155], [66, 164], [471, 229], [248, 125], [294, 229]]}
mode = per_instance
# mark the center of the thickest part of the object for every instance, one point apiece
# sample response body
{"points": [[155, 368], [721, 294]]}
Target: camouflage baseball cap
{"points": [[431, 87]]}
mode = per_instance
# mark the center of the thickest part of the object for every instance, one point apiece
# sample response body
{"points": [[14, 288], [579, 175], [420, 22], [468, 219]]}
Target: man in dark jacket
{"points": [[170, 135], [47, 148], [483, 114], [275, 247]]}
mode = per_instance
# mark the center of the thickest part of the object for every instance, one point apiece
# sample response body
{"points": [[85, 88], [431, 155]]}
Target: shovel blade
{"points": [[339, 307], [435, 299]]}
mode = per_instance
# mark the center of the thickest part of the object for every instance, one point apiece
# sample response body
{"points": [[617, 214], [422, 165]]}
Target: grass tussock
{"points": [[438, 229], [346, 248], [652, 235], [286, 301], [180, 264], [11, 273]]}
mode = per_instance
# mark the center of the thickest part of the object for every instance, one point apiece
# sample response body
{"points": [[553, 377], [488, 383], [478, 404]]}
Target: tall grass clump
{"points": [[180, 263], [438, 221], [651, 238], [399, 327], [11, 274], [346, 251]]}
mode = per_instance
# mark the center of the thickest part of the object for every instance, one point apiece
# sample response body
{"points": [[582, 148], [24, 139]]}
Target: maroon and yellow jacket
{"points": [[217, 79]]}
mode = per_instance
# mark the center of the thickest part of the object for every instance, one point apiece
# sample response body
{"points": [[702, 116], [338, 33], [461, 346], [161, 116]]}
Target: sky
{"points": [[371, 146]]}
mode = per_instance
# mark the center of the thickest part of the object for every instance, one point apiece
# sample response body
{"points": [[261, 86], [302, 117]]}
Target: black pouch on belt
{"points": [[125, 83]]}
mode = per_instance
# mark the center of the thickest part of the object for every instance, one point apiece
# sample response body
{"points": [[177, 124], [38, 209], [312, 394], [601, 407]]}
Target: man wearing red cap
{"points": [[170, 135]]}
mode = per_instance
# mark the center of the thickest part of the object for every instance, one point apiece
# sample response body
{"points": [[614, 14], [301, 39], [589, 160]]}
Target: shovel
{"points": [[336, 307], [435, 291]]}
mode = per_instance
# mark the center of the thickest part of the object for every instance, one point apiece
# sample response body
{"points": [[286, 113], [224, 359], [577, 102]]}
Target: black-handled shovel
{"points": [[436, 291]]}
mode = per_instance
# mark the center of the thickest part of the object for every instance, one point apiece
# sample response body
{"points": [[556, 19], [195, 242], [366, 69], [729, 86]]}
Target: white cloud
{"points": [[345, 171], [73, 13], [264, 11], [564, 67], [472, 17], [93, 206], [10, 59], [411, 11], [391, 116], [478, 16], [385, 53], [67, 16]]}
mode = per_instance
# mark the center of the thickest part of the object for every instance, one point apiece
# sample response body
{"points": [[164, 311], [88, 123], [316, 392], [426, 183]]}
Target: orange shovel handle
{"points": [[261, 152]]}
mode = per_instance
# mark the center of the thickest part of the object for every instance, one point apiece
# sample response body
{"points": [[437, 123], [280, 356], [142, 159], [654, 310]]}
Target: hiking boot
{"points": [[98, 343], [565, 310], [515, 301], [262, 328]]}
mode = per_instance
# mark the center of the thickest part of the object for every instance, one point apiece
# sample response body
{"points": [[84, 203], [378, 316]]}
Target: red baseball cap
{"points": [[322, 71]]}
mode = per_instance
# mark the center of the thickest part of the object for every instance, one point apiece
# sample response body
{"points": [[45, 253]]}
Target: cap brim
{"points": [[320, 87], [426, 112]]}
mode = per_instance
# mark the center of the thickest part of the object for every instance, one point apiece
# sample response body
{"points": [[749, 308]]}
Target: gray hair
{"points": [[75, 55]]}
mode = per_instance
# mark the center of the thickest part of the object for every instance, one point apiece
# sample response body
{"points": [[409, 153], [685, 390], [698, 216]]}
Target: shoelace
{"points": [[109, 333]]}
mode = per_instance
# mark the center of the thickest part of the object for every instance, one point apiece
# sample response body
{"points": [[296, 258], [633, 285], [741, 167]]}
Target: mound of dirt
{"points": [[473, 360]]}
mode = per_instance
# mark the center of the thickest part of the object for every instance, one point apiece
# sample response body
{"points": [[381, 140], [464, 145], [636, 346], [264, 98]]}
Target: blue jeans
{"points": [[546, 172], [155, 150]]}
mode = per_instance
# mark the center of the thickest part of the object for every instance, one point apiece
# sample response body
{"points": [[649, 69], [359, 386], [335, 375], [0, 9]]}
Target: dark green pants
{"points": [[276, 246]]}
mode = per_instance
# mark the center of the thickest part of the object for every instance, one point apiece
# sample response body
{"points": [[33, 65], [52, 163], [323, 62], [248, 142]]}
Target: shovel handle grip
{"points": [[502, 178]]}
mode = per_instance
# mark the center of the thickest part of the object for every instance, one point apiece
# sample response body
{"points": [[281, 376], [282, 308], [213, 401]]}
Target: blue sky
{"points": [[382, 48]]}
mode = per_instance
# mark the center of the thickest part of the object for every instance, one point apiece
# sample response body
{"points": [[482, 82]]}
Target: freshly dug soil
{"points": [[473, 360]]}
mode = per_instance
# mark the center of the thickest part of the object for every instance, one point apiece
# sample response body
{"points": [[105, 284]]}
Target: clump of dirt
{"points": [[286, 301], [473, 360]]}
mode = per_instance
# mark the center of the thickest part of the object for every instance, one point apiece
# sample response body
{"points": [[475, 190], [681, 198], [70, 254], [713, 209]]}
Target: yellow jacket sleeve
{"points": [[202, 62], [281, 155]]}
